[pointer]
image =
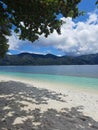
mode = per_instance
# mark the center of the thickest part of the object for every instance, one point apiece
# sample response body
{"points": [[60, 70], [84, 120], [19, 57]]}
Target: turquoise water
{"points": [[83, 82], [66, 70]]}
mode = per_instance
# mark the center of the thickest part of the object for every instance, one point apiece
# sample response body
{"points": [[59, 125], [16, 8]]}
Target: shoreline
{"points": [[46, 96], [41, 83]]}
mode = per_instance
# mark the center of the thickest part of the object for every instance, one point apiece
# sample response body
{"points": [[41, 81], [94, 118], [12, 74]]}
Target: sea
{"points": [[83, 76]]}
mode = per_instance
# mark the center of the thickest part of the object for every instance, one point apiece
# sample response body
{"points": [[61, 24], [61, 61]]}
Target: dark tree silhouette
{"points": [[31, 18]]}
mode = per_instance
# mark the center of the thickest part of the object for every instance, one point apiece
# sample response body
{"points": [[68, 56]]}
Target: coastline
{"points": [[46, 96]]}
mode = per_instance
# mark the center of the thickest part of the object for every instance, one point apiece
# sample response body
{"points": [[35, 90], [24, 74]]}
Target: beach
{"points": [[36, 105]]}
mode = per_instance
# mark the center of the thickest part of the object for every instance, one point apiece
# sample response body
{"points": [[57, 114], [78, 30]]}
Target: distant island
{"points": [[48, 59]]}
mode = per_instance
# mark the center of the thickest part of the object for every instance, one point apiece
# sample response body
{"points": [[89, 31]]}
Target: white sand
{"points": [[58, 97]]}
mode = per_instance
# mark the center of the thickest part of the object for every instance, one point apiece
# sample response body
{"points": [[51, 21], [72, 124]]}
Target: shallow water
{"points": [[67, 70], [79, 76]]}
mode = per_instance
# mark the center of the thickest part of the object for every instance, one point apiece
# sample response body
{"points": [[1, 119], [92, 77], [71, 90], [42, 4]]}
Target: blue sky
{"points": [[78, 36]]}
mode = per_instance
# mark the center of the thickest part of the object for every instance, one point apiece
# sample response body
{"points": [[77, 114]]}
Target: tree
{"points": [[31, 18], [4, 30]]}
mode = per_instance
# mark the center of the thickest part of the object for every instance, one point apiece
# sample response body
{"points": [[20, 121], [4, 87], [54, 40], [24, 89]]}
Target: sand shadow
{"points": [[14, 96]]}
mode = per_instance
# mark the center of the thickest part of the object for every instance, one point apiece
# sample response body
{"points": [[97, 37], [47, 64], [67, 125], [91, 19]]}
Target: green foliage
{"points": [[3, 45], [31, 18], [96, 2], [4, 31]]}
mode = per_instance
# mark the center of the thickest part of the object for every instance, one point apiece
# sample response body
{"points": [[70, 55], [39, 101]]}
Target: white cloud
{"points": [[93, 18], [76, 38], [15, 43]]}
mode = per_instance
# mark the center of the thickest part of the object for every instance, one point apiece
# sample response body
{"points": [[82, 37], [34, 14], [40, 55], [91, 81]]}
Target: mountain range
{"points": [[48, 59]]}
